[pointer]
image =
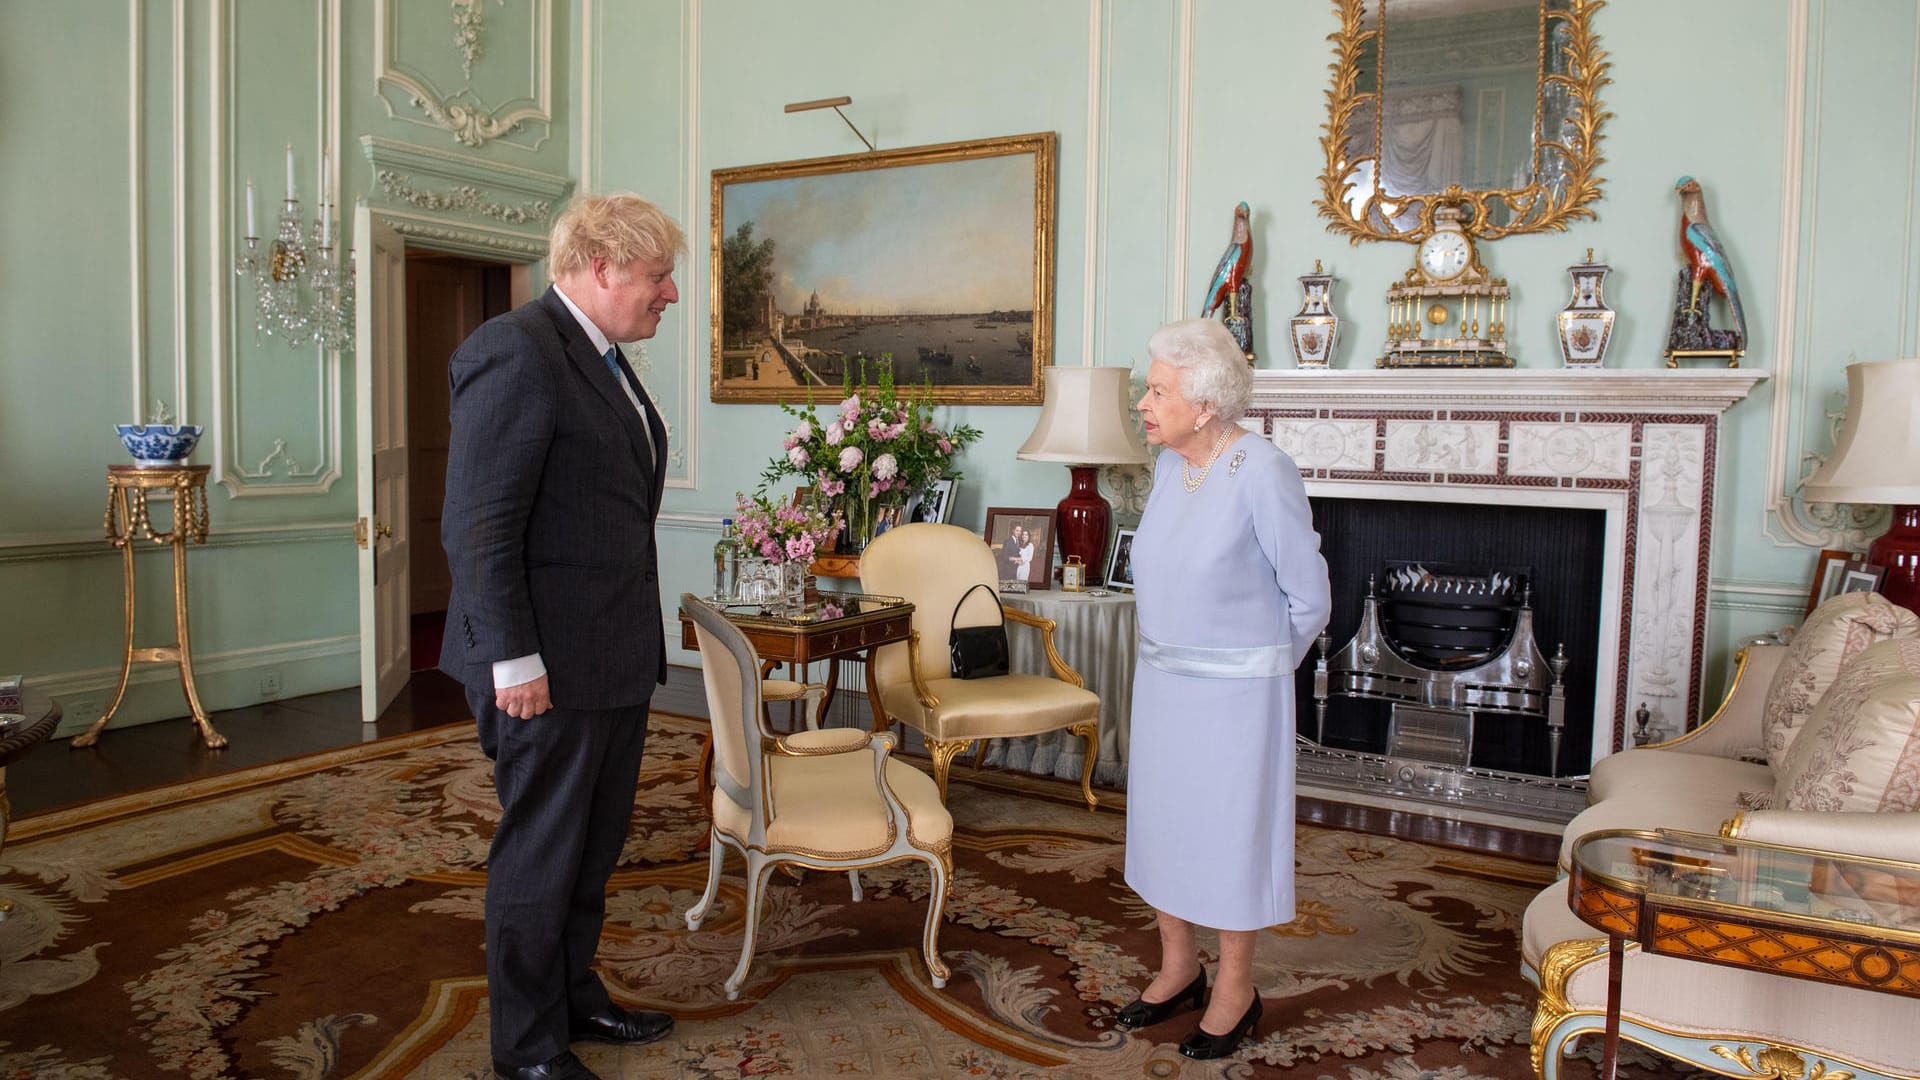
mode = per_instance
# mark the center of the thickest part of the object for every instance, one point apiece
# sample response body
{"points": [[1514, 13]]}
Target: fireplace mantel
{"points": [[1638, 444], [1711, 390]]}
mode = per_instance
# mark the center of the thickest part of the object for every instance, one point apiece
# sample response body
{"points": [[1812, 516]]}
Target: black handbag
{"points": [[979, 652]]}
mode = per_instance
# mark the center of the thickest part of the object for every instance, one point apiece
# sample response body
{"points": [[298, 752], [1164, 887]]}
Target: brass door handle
{"points": [[382, 530], [360, 532]]}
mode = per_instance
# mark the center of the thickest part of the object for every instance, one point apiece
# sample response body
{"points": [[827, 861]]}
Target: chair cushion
{"points": [[1836, 632], [1658, 773], [993, 708], [828, 806], [1861, 749]]}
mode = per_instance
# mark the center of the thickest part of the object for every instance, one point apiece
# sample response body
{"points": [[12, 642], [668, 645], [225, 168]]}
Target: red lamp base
{"points": [[1085, 519], [1898, 550]]}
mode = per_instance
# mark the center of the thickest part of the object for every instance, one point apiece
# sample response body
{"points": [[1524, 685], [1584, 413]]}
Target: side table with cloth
{"points": [[1095, 636], [17, 741]]}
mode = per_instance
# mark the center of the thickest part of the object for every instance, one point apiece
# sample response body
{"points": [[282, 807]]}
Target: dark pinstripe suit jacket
{"points": [[553, 485]]}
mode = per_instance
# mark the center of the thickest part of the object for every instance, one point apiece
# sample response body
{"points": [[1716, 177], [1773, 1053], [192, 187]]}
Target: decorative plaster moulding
{"points": [[506, 202], [1641, 446], [411, 94]]}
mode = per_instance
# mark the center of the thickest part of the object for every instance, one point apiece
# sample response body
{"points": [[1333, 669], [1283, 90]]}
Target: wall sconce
{"points": [[276, 274], [833, 103]]}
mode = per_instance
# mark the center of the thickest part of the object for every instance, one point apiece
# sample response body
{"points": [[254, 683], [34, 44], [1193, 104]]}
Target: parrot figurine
{"points": [[1706, 257], [1234, 263]]}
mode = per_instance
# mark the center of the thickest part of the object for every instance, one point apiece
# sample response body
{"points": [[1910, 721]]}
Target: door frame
{"points": [[525, 258]]}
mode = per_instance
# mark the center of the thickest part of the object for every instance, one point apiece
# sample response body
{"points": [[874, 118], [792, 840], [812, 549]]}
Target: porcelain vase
{"points": [[1586, 323], [1316, 330]]}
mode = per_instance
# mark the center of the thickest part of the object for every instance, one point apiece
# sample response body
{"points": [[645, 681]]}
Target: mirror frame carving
{"points": [[1534, 208]]}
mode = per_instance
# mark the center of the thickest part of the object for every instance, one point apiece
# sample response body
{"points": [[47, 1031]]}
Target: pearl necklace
{"points": [[1191, 480]]}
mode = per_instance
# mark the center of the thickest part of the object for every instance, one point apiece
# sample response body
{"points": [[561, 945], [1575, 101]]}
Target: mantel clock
{"points": [[1448, 311]]}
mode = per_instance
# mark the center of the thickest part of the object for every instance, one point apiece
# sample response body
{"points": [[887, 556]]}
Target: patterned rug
{"points": [[322, 918]]}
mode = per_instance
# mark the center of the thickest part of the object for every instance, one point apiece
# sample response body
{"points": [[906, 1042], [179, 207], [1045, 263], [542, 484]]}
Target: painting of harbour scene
{"points": [[939, 258]]}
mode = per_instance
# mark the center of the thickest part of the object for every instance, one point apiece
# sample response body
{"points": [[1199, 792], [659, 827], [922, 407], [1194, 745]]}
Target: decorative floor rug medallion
{"points": [[321, 918]]}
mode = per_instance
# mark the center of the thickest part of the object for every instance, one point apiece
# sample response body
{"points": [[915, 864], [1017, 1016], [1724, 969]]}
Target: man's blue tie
{"points": [[612, 357], [613, 361]]}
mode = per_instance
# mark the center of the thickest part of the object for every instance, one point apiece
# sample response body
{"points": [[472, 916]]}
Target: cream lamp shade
{"points": [[1084, 420], [1877, 457], [1083, 423], [1876, 460]]}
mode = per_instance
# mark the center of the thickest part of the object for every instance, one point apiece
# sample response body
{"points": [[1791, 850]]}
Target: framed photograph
{"points": [[1861, 576], [1022, 539], [1827, 571], [934, 506], [1120, 566], [940, 257]]}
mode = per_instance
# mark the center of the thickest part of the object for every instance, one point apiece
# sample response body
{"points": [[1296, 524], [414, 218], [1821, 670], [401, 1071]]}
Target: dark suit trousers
{"points": [[566, 781]]}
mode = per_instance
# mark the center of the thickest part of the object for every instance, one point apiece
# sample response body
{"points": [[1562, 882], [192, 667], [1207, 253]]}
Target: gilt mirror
{"points": [[1490, 105]]}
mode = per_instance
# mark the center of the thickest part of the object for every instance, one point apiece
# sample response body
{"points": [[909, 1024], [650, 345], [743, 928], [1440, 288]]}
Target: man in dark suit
{"points": [[554, 480]]}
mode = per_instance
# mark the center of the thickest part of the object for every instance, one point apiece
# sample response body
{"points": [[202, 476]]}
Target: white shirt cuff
{"points": [[521, 669]]}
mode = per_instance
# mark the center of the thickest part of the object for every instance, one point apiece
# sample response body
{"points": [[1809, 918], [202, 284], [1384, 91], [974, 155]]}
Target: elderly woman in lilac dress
{"points": [[1231, 591]]}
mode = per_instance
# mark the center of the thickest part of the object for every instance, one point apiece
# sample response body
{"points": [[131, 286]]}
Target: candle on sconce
{"points": [[324, 193], [289, 170], [251, 231]]}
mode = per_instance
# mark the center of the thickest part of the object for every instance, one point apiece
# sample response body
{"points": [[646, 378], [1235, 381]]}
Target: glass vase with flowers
{"points": [[877, 450], [780, 540]]}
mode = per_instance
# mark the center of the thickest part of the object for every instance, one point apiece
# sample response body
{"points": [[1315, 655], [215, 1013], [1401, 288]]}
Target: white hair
{"points": [[1213, 370]]}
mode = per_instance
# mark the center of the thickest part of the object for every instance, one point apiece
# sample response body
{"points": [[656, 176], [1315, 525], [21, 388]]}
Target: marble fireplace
{"points": [[1638, 446]]}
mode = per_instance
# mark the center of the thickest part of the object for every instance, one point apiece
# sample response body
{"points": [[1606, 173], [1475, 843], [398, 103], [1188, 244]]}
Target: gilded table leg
{"points": [[184, 646], [943, 754], [92, 734]]}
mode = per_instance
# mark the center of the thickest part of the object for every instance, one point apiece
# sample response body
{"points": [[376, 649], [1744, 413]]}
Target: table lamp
{"points": [[1877, 460], [1083, 424]]}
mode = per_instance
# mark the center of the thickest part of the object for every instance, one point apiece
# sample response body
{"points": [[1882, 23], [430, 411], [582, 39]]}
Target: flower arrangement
{"points": [[791, 531], [877, 450]]}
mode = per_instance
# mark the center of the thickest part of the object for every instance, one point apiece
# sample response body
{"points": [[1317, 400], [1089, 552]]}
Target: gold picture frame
{"points": [[1354, 199], [940, 256]]}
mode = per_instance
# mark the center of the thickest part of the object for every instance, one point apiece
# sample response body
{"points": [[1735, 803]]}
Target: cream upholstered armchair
{"points": [[830, 799], [934, 566]]}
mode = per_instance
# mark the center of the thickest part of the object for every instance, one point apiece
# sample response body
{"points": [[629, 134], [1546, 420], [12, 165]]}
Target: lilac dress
{"points": [[1231, 592]]}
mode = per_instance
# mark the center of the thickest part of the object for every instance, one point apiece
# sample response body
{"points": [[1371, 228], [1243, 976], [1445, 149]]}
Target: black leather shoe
{"points": [[1203, 1044], [563, 1066], [1140, 1014], [626, 1027]]}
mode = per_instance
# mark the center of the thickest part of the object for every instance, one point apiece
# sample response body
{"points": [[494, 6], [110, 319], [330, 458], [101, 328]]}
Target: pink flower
{"points": [[835, 433], [798, 456], [850, 459], [945, 446], [803, 432], [885, 467], [850, 406]]}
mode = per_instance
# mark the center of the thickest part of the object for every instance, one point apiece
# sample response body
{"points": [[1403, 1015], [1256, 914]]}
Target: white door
{"points": [[380, 427]]}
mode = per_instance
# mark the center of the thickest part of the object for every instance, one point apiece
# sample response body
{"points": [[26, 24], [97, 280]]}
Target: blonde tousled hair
{"points": [[620, 228]]}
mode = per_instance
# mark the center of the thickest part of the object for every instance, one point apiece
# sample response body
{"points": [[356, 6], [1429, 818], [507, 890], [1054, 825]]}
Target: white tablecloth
{"points": [[1095, 636]]}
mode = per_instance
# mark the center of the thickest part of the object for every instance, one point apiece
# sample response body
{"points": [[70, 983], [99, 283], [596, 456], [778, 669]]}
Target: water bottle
{"points": [[726, 564]]}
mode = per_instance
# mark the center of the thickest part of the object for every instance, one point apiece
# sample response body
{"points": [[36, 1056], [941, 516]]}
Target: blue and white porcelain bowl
{"points": [[158, 444]]}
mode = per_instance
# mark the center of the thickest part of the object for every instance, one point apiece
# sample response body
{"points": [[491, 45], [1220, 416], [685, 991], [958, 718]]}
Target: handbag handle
{"points": [[963, 600]]}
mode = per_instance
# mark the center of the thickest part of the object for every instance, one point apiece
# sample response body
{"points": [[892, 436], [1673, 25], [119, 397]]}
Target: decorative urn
{"points": [[1586, 323], [1316, 330]]}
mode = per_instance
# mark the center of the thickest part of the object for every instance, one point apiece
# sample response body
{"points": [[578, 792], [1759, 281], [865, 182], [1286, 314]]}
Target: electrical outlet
{"points": [[270, 684]]}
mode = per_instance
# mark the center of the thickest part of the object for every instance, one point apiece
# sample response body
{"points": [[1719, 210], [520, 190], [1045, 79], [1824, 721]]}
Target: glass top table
{"points": [[828, 627], [1843, 919]]}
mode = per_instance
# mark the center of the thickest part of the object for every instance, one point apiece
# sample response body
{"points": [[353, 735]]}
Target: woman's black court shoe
{"points": [[1140, 1014], [1203, 1044]]}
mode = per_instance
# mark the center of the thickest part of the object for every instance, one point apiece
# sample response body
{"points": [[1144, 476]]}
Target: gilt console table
{"points": [[127, 522]]}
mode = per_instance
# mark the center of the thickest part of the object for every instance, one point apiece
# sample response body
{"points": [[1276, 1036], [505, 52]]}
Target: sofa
{"points": [[1816, 746]]}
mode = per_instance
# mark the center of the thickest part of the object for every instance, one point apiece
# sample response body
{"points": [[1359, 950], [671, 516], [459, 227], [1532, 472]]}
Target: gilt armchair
{"points": [[934, 566], [832, 799]]}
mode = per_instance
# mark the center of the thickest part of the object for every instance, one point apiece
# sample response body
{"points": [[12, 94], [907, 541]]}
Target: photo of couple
{"points": [[1023, 542]]}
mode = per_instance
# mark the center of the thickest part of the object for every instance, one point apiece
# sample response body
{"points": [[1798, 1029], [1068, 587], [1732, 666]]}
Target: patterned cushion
{"points": [[1861, 750], [1835, 633]]}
